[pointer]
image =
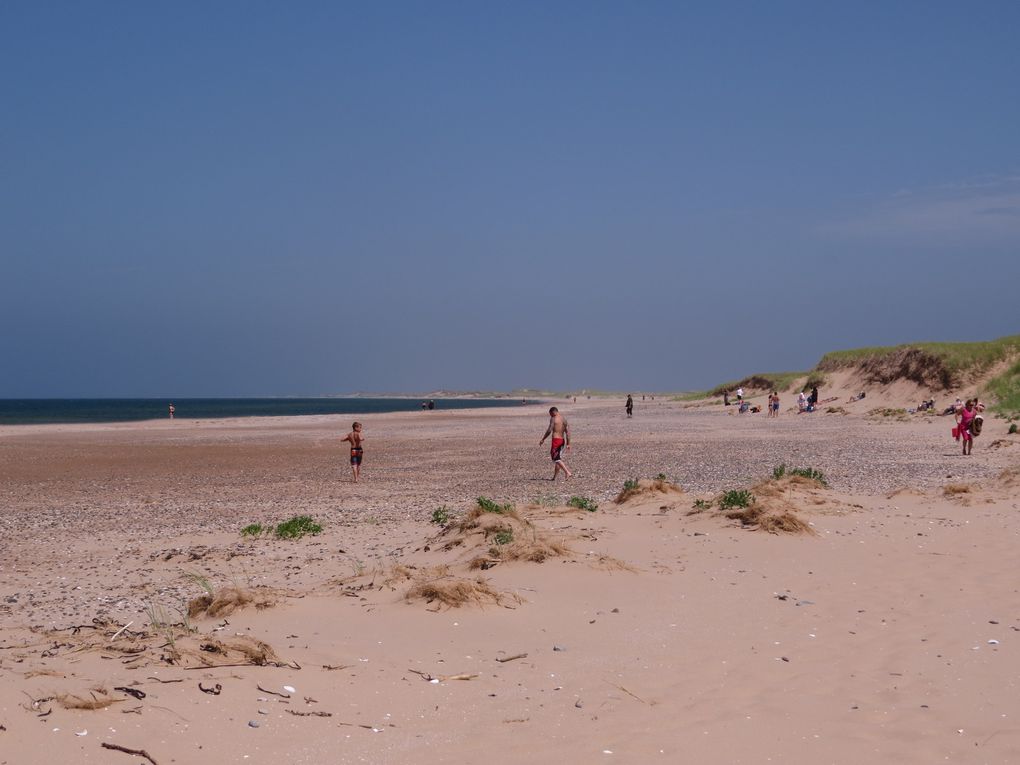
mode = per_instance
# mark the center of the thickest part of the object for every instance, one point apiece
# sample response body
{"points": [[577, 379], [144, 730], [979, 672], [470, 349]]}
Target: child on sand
{"points": [[357, 450]]}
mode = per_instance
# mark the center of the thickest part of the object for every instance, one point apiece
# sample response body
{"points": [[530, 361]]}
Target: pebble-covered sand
{"points": [[140, 503]]}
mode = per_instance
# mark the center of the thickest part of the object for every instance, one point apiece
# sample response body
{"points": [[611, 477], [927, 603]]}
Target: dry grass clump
{"points": [[211, 652], [609, 563], [491, 538], [476, 518], [955, 489], [536, 549], [770, 507], [778, 487], [766, 516], [98, 700], [784, 523], [225, 601], [646, 487], [1010, 477], [439, 585]]}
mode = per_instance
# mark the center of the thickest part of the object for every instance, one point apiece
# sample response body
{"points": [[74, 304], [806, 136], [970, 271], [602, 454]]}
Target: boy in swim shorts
{"points": [[357, 450], [560, 432]]}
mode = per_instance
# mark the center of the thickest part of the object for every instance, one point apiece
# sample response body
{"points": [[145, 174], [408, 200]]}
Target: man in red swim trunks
{"points": [[560, 432]]}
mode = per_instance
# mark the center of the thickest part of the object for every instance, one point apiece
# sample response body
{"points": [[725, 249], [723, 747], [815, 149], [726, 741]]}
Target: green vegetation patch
{"points": [[253, 530], [583, 503], [736, 498], [814, 475], [297, 527], [489, 506], [1006, 390], [441, 515]]}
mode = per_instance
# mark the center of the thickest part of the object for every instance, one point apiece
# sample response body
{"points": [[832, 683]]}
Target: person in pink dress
{"points": [[964, 420]]}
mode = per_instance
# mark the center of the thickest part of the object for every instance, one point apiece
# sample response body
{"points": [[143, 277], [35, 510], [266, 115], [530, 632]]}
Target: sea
{"points": [[27, 411]]}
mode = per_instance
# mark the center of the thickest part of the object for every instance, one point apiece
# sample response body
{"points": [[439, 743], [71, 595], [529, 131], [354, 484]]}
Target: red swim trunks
{"points": [[556, 452]]}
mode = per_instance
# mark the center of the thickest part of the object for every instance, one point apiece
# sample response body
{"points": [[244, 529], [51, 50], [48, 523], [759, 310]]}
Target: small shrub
{"points": [[736, 498], [297, 527], [583, 503], [493, 507], [1012, 428], [504, 537], [441, 515], [253, 530], [814, 475], [778, 472], [630, 484], [660, 477], [702, 504]]}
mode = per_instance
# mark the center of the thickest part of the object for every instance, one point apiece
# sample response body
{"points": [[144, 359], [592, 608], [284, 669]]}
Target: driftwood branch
{"points": [[512, 658], [135, 752]]}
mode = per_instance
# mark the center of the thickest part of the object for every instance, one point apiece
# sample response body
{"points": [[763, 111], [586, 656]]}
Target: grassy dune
{"points": [[933, 365]]}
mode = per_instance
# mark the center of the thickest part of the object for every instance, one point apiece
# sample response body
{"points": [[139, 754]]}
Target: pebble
{"points": [[253, 723], [559, 648]]}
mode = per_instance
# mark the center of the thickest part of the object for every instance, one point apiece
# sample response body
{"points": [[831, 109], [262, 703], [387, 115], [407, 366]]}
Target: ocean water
{"points": [[60, 410]]}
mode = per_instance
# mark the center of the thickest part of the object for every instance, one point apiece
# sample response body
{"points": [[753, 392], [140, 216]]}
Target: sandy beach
{"points": [[656, 629]]}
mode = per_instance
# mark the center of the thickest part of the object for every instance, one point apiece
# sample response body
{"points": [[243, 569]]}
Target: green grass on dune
{"points": [[1006, 390], [955, 360], [957, 357]]}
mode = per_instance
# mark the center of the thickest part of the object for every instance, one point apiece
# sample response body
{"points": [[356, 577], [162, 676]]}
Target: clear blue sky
{"points": [[303, 198]]}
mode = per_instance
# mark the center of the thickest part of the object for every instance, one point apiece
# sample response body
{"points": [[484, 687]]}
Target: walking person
{"points": [[630, 405], [560, 432]]}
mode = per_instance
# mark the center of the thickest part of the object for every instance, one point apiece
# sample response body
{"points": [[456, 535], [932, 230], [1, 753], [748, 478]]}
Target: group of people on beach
{"points": [[968, 418], [558, 428]]}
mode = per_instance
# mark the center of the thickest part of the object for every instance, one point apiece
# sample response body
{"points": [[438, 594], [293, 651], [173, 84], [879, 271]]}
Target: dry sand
{"points": [[654, 631]]}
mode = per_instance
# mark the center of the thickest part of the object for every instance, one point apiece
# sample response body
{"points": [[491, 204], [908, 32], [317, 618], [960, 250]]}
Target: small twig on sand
{"points": [[135, 752], [357, 725], [332, 667], [632, 695], [274, 693], [442, 678], [309, 714], [512, 658], [153, 677], [117, 633]]}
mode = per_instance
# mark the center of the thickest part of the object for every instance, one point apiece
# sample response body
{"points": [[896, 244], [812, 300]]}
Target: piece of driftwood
{"points": [[274, 693], [512, 658], [135, 752]]}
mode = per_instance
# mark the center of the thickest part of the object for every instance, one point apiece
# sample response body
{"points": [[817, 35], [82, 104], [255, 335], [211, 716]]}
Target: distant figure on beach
{"points": [[740, 395], [172, 410], [432, 405], [964, 424], [560, 432], [813, 398], [630, 405], [726, 398], [357, 450], [774, 404]]}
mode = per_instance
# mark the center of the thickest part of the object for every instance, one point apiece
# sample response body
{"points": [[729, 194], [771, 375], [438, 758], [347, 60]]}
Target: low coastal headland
{"points": [[710, 586]]}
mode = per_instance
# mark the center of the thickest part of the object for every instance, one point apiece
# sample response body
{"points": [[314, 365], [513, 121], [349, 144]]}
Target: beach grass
{"points": [[957, 357]]}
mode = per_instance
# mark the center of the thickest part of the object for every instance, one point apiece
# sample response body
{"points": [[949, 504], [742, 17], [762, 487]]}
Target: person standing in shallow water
{"points": [[172, 410], [560, 432], [630, 405]]}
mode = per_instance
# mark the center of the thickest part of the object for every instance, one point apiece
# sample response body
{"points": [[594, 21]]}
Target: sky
{"points": [[252, 198]]}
